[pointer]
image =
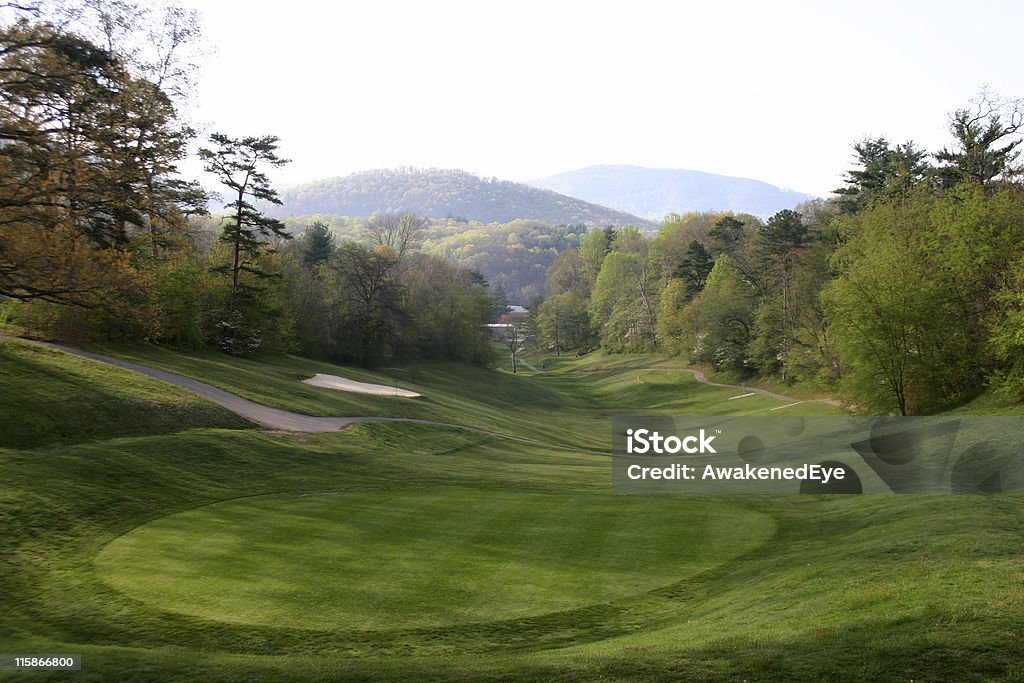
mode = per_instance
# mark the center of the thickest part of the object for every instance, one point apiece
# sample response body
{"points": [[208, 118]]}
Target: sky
{"points": [[777, 91]]}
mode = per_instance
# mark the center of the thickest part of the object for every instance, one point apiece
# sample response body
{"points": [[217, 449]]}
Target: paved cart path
{"points": [[703, 379], [265, 416], [288, 421]]}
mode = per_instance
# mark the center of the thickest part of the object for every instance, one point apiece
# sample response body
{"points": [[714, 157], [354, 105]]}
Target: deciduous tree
{"points": [[87, 160], [399, 231], [781, 243], [895, 313], [370, 299]]}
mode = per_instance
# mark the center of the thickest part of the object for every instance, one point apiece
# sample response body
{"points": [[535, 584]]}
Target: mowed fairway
{"points": [[438, 557], [164, 539]]}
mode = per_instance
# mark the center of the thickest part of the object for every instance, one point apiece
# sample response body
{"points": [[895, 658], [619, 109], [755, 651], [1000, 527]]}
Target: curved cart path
{"points": [[288, 421], [700, 377], [703, 379], [265, 416]]}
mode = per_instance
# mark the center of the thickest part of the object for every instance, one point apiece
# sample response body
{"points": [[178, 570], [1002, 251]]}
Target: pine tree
{"points": [[238, 163], [317, 244], [988, 137]]}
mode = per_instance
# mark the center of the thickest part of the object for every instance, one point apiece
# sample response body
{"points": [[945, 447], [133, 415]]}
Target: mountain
{"points": [[437, 193], [654, 192]]}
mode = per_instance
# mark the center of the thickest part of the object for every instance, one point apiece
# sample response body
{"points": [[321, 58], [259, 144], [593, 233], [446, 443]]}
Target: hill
{"points": [[655, 192], [513, 257], [438, 193]]}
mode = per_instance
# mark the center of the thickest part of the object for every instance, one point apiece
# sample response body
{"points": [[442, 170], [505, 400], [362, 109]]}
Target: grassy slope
{"points": [[48, 396], [868, 588], [990, 403]]}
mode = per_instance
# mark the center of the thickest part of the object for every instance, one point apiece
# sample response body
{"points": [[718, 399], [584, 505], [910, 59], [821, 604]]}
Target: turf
{"points": [[438, 557], [48, 396], [410, 551]]}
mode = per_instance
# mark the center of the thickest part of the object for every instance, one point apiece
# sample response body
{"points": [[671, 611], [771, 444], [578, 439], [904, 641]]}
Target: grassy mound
{"points": [[47, 396]]}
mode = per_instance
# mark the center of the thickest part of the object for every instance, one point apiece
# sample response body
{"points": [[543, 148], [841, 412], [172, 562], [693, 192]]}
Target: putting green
{"points": [[401, 559]]}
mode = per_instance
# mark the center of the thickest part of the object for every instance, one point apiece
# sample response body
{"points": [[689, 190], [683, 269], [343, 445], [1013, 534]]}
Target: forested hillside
{"points": [[512, 257], [655, 192], [437, 193], [903, 292]]}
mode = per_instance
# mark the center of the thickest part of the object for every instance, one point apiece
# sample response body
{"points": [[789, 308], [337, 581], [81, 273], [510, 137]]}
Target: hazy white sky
{"points": [[776, 91]]}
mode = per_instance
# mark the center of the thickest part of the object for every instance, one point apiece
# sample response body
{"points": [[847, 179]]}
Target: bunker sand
{"points": [[343, 384], [274, 419]]}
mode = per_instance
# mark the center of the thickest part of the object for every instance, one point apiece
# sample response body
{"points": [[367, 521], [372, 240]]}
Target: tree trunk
{"points": [[238, 242]]}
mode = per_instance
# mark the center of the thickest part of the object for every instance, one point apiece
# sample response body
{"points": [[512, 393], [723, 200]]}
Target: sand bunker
{"points": [[342, 384]]}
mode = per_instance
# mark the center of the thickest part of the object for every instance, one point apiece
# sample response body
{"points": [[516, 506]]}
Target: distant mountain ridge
{"points": [[437, 193], [654, 192]]}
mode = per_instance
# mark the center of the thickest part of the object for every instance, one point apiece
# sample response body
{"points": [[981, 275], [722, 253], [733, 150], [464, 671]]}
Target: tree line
{"points": [[903, 291], [512, 256], [100, 238]]}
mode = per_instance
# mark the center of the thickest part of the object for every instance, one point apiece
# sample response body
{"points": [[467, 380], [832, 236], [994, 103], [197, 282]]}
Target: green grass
{"points": [[409, 551], [406, 559], [48, 396], [583, 392], [990, 403]]}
